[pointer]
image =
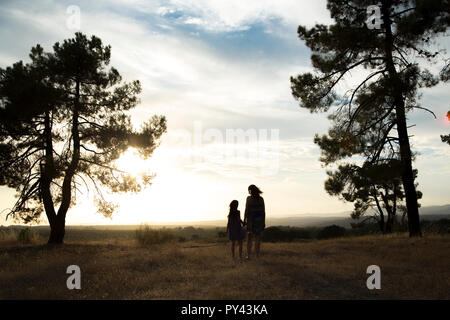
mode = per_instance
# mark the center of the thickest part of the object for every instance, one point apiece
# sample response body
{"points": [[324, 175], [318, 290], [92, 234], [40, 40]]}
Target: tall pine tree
{"points": [[370, 119], [63, 122]]}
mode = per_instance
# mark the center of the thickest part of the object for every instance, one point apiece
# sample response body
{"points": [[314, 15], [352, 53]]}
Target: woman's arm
{"points": [[246, 212], [264, 210]]}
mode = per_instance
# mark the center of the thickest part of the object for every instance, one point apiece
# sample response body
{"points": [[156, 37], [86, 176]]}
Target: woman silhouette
{"points": [[255, 218]]}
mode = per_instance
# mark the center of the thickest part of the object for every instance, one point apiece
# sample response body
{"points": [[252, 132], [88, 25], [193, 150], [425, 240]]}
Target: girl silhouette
{"points": [[234, 227]]}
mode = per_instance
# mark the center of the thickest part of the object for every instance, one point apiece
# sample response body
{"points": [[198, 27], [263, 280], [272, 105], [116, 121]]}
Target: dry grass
{"points": [[327, 269], [22, 236]]}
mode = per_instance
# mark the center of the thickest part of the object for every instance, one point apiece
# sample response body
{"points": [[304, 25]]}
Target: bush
{"points": [[364, 228], [147, 236], [332, 231], [222, 234], [8, 235], [26, 235], [285, 234], [441, 226]]}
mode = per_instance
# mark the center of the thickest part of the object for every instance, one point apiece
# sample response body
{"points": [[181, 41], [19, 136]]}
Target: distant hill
{"points": [[306, 220], [310, 221], [436, 210], [319, 220], [426, 213]]}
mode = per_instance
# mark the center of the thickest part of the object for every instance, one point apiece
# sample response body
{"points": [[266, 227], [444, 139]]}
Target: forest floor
{"points": [[319, 269]]}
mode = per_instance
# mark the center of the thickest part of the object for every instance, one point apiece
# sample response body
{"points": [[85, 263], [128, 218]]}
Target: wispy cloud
{"points": [[226, 65]]}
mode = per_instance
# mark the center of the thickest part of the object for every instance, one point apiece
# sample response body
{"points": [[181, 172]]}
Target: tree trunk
{"points": [[57, 231], [381, 222], [389, 224], [408, 176], [405, 149], [388, 228], [406, 161], [47, 173], [58, 220]]}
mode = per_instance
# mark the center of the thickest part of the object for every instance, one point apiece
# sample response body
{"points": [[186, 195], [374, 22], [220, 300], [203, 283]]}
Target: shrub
{"points": [[27, 235], [365, 228], [8, 235], [221, 234], [285, 234], [332, 231], [147, 236], [441, 226]]}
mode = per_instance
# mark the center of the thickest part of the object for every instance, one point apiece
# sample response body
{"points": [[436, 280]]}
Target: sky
{"points": [[219, 71]]}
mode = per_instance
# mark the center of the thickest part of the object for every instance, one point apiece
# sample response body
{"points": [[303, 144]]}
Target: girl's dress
{"points": [[236, 232]]}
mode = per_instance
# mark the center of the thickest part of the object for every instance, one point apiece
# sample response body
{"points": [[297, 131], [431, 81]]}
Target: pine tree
{"points": [[64, 122], [370, 119]]}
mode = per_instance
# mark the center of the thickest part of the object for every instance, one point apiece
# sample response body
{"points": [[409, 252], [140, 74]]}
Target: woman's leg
{"points": [[257, 244], [232, 247], [249, 245]]}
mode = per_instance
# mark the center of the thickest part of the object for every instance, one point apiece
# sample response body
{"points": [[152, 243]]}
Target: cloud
{"points": [[235, 15], [226, 65]]}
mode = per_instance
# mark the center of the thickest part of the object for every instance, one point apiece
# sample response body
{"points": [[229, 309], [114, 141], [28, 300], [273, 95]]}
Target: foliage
{"points": [[222, 234], [332, 231], [64, 123], [148, 236], [446, 138], [361, 228], [7, 235], [369, 120], [24, 235], [441, 226], [286, 234], [371, 186]]}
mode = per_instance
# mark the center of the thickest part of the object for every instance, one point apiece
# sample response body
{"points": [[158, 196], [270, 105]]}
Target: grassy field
{"points": [[120, 268]]}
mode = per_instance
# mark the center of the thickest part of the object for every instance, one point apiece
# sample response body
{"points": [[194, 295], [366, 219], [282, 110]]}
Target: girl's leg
{"points": [[257, 244], [240, 248], [232, 247], [249, 245]]}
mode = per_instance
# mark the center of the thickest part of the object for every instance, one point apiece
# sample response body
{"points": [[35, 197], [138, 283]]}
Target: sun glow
{"points": [[131, 163], [175, 195]]}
